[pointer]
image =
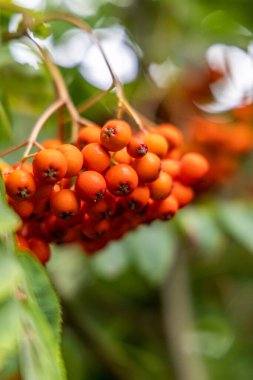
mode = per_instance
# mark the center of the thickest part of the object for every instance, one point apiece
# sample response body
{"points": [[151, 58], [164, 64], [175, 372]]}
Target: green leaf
{"points": [[39, 350], [9, 329], [201, 227], [112, 261], [152, 249], [9, 274], [237, 220], [5, 125], [41, 292], [40, 319], [9, 220]]}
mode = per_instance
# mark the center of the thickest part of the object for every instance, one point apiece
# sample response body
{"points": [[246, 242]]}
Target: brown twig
{"points": [[40, 122], [8, 151], [179, 322]]}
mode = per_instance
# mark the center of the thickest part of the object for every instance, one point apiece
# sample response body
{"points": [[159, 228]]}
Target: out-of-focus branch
{"points": [[108, 354], [179, 322]]}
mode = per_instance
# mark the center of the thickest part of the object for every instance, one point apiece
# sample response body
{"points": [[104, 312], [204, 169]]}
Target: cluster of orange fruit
{"points": [[109, 182], [223, 142]]}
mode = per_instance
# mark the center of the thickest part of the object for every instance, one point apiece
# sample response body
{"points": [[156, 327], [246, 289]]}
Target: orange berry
{"points": [[121, 179], [51, 143], [183, 194], [64, 204], [5, 169], [122, 157], [20, 185], [24, 209], [157, 144], [137, 200], [193, 167], [171, 133], [74, 159], [171, 167], [95, 229], [103, 209], [161, 187], [115, 135], [26, 166], [40, 207], [147, 167], [88, 135], [166, 208], [49, 166], [137, 147], [96, 157], [40, 249], [90, 186], [43, 191]]}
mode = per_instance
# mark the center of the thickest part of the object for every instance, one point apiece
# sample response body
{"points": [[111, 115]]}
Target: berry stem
{"points": [[92, 101], [40, 123], [123, 102], [13, 149]]}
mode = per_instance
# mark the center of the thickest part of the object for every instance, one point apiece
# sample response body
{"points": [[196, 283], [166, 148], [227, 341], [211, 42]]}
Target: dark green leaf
{"points": [[41, 292]]}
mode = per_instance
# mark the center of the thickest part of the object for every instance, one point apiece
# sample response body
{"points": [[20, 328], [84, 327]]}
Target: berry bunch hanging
{"points": [[106, 182], [101, 187]]}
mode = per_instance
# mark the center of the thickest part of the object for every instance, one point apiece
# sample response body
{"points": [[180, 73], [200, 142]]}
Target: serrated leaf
{"points": [[41, 292], [39, 350], [152, 250], [237, 221], [5, 125], [41, 357]]}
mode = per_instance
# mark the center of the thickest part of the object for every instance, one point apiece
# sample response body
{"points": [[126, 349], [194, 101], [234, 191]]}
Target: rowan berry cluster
{"points": [[107, 183], [223, 142]]}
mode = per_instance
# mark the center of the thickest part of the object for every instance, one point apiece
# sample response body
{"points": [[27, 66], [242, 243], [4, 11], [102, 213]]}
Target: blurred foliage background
{"points": [[171, 300]]}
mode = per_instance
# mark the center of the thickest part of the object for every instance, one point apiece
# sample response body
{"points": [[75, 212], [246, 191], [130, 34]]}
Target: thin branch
{"points": [[107, 353], [116, 83], [8, 151], [40, 123], [179, 323]]}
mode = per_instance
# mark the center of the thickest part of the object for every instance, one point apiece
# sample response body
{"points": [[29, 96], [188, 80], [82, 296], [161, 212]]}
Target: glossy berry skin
{"points": [[49, 166], [104, 209], [90, 186], [121, 180], [24, 209], [193, 167], [171, 167], [96, 157], [93, 229], [40, 249], [20, 185], [115, 135], [161, 187], [51, 143], [122, 157], [74, 159], [137, 200], [171, 133], [137, 147], [166, 208], [64, 204], [88, 135], [147, 167], [182, 193], [157, 144]]}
